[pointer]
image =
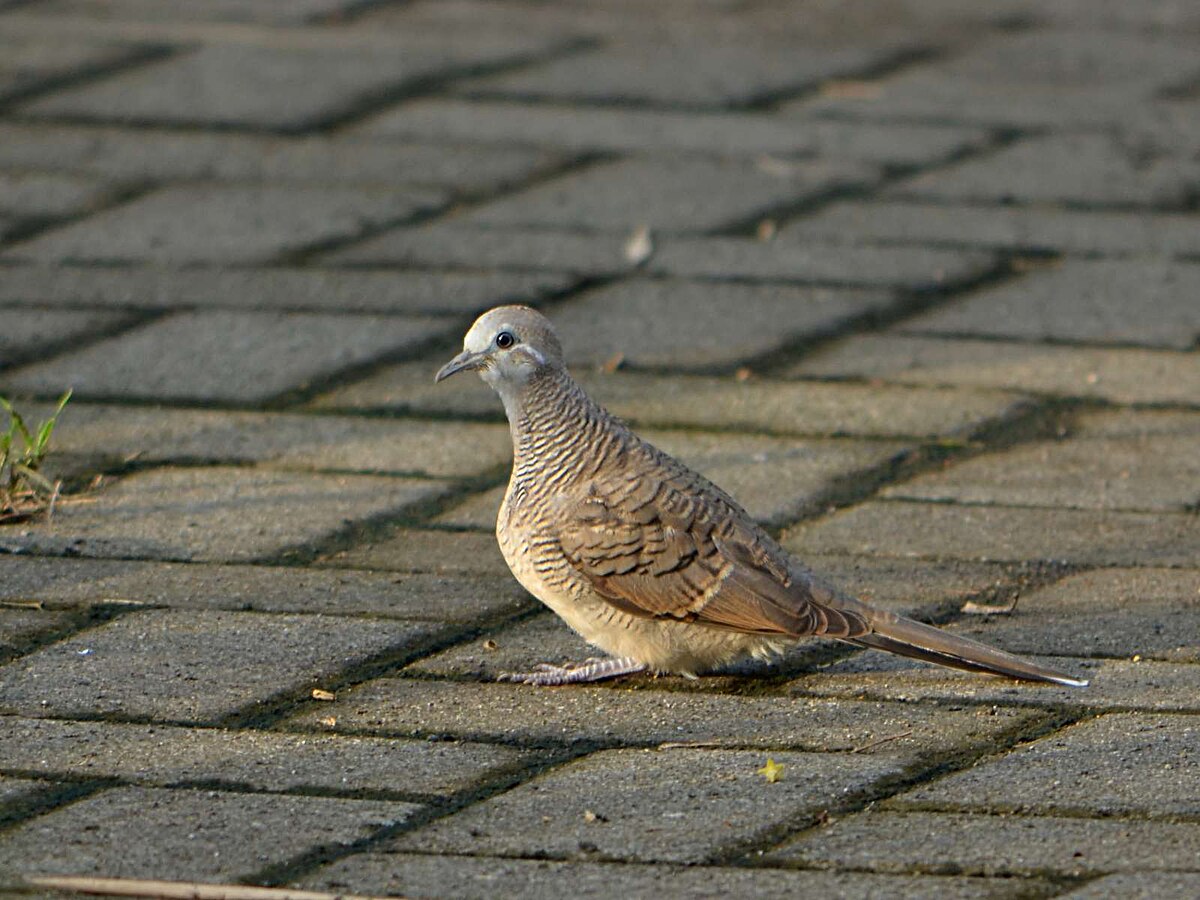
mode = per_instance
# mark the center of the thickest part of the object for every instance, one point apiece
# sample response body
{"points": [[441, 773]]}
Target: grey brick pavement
{"points": [[921, 291]]}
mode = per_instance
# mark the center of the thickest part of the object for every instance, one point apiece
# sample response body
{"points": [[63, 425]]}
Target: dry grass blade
{"points": [[971, 608], [883, 740], [178, 890]]}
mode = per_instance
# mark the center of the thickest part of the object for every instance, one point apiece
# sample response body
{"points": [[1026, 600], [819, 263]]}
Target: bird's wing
{"points": [[672, 546]]}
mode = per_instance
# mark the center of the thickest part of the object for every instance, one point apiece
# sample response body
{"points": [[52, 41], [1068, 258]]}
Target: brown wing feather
{"points": [[673, 546]]}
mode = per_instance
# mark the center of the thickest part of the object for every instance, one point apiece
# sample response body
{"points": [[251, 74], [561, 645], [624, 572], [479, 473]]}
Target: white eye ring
{"points": [[505, 339]]}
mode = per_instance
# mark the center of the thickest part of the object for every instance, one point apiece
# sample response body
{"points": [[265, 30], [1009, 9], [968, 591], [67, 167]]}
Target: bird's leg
{"points": [[546, 674]]}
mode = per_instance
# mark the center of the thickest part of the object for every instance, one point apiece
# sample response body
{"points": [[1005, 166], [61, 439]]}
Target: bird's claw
{"points": [[593, 669]]}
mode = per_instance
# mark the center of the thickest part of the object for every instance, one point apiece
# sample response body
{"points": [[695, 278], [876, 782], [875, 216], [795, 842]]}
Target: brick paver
{"points": [[630, 792], [226, 224], [479, 878], [919, 287]]}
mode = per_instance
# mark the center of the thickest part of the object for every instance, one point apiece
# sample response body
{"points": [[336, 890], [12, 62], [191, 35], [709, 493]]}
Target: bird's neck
{"points": [[556, 427]]}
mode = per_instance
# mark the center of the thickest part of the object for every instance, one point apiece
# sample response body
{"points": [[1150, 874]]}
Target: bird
{"points": [[648, 560]]}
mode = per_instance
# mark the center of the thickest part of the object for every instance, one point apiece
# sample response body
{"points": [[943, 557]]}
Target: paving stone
{"points": [[756, 404], [679, 196], [1081, 169], [338, 443], [435, 449], [1020, 78], [937, 97], [479, 878], [503, 712], [17, 792], [221, 223], [623, 130], [409, 387], [193, 666], [1159, 473], [916, 269], [207, 85], [434, 597], [1139, 423], [523, 251], [1112, 765], [695, 325], [1142, 886], [1115, 684], [995, 845], [29, 63], [206, 835], [813, 407], [680, 73], [1147, 613], [161, 155], [28, 333], [287, 763], [895, 145], [271, 12], [214, 513], [714, 21], [937, 531], [1079, 56], [649, 806], [906, 587], [1169, 126], [240, 357], [436, 552], [1036, 229], [26, 621], [48, 194], [1119, 375], [477, 511], [297, 290], [1164, 14], [1151, 303]]}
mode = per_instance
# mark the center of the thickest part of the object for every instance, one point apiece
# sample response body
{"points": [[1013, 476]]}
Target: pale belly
{"points": [[664, 646]]}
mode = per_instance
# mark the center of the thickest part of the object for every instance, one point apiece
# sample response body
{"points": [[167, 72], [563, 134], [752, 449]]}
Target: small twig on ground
{"points": [[178, 890], [693, 745], [883, 740]]}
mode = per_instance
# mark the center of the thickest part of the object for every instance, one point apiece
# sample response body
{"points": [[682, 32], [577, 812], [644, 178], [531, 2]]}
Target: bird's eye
{"points": [[505, 339]]}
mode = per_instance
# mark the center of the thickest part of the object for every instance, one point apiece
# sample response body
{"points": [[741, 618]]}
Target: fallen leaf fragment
{"points": [[971, 608], [772, 771], [640, 246], [611, 364], [319, 694]]}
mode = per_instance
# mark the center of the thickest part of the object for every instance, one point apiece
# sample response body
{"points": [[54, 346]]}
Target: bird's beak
{"points": [[464, 361]]}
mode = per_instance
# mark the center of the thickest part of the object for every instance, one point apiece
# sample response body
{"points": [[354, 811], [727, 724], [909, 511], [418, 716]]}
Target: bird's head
{"points": [[506, 346]]}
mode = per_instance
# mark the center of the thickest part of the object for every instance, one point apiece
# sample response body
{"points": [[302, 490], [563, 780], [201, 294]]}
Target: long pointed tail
{"points": [[907, 637]]}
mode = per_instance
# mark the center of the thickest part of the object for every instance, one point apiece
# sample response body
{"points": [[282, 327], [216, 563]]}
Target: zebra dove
{"points": [[643, 557]]}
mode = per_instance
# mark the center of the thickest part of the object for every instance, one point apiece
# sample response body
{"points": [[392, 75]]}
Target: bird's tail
{"points": [[907, 637]]}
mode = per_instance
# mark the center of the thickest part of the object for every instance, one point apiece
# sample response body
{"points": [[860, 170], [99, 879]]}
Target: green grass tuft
{"points": [[24, 490]]}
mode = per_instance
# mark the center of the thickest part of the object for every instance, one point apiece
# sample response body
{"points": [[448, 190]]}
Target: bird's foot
{"points": [[547, 674]]}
